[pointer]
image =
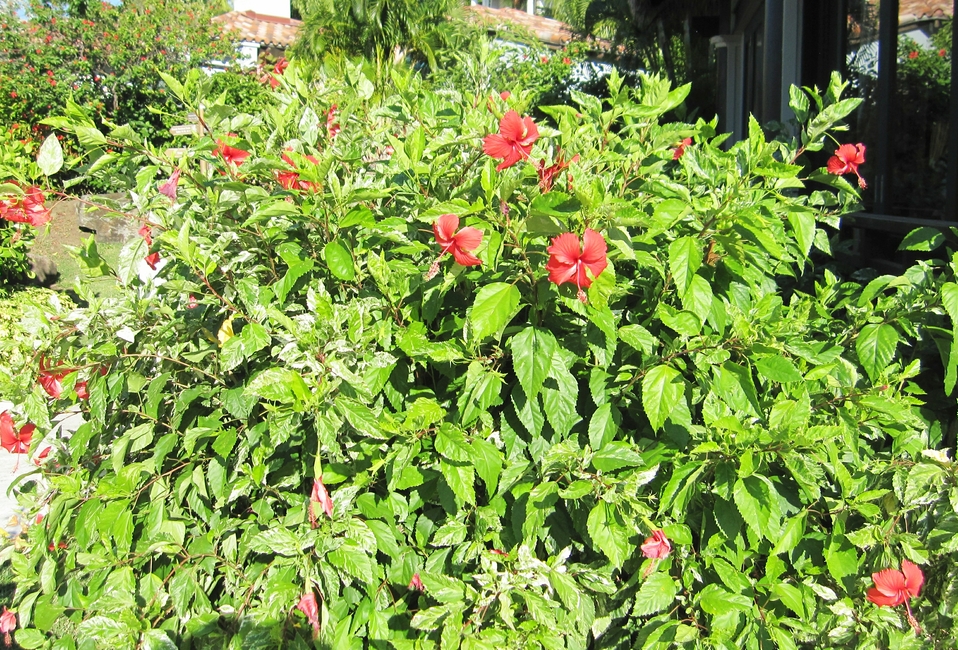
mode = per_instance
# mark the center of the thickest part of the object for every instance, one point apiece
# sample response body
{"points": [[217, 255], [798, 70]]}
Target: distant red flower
{"points": [[566, 60], [846, 160], [332, 126], [505, 95], [547, 175], [168, 188], [568, 261], [319, 498], [146, 232], [514, 140], [913, 55], [290, 179], [14, 441], [460, 243], [152, 260], [231, 155], [81, 390], [308, 606], [680, 150], [942, 52], [657, 546], [51, 379], [192, 303], [544, 59], [893, 588], [28, 208], [416, 583], [8, 623], [37, 460]]}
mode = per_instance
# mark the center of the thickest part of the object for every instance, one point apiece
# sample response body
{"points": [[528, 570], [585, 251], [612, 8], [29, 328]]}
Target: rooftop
{"points": [[260, 28]]}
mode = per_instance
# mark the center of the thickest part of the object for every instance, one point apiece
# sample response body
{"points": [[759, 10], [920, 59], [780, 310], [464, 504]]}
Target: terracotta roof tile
{"points": [[917, 10], [260, 28], [551, 32]]}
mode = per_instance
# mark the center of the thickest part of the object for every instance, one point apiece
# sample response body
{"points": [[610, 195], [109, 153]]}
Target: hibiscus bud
{"points": [[308, 606], [319, 498], [416, 583], [657, 546]]}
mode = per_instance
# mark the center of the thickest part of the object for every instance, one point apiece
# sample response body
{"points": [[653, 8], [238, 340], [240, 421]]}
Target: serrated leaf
{"points": [[532, 352], [495, 305], [876, 346], [608, 533], [339, 261], [655, 595], [685, 258], [662, 388], [278, 541], [758, 505], [779, 369]]}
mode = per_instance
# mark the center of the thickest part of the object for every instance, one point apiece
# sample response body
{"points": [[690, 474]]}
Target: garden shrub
{"points": [[308, 426]]}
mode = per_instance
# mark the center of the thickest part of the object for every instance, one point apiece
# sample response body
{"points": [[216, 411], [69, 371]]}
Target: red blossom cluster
{"points": [[28, 208], [893, 588]]}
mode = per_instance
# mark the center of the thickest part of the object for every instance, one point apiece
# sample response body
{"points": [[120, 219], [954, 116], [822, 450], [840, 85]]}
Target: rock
{"points": [[110, 226], [43, 269]]}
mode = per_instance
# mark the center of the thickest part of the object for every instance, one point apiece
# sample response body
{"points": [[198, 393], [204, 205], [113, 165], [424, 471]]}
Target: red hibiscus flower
{"points": [[679, 150], [568, 261], [460, 243], [846, 160], [169, 187], [14, 441], [416, 583], [319, 498], [290, 179], [308, 606], [547, 175], [146, 233], [233, 156], [8, 623], [942, 52], [656, 547], [28, 208], [505, 95], [81, 390], [893, 588], [514, 140], [152, 260], [913, 55], [51, 379]]}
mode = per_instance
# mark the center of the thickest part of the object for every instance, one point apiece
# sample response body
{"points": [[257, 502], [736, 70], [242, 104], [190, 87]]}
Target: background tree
{"points": [[375, 28]]}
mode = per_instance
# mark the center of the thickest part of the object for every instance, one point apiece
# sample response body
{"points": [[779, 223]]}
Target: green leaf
{"points": [[685, 258], [608, 533], [949, 298], [655, 595], [876, 346], [794, 531], [638, 338], [662, 388], [602, 427], [803, 227], [29, 638], [495, 305], [353, 559], [757, 502], [279, 541], [279, 385], [487, 459], [615, 455], [50, 156], [173, 84], [460, 478], [532, 352], [922, 239], [559, 395], [779, 369], [340, 261]]}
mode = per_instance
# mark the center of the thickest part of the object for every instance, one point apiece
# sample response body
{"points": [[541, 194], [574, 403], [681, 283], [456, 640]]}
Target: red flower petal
{"points": [[511, 126], [445, 229], [882, 600], [914, 578], [496, 146], [594, 252], [152, 260]]}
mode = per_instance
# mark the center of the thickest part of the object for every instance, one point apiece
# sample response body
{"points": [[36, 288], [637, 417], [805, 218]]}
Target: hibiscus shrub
{"points": [[418, 371]]}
